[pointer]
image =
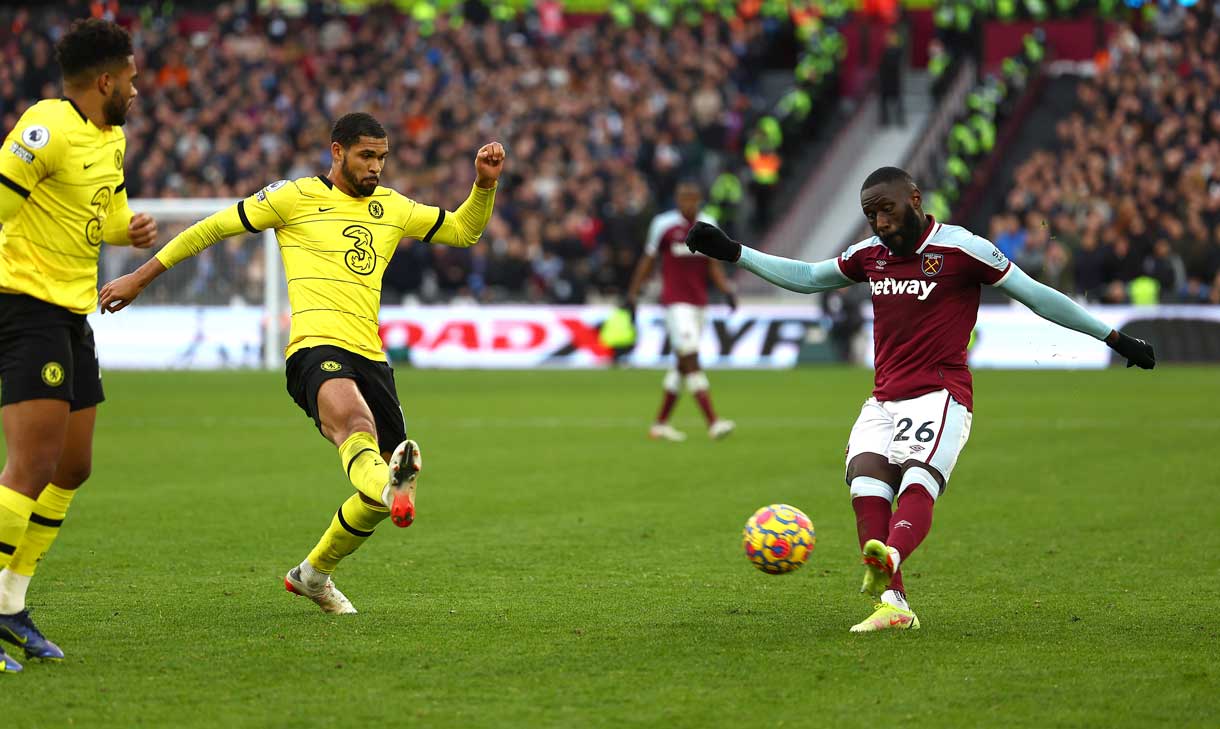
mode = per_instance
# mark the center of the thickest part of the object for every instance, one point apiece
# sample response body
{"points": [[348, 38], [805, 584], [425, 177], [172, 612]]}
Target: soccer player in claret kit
{"points": [[337, 233], [684, 279], [62, 195], [926, 279]]}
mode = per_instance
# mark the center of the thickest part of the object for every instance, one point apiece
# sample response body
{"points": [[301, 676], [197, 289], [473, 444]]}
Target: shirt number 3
{"points": [[362, 258], [93, 228]]}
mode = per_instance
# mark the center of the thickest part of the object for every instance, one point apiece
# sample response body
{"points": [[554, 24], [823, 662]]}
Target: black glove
{"points": [[1137, 351], [731, 299], [712, 242]]}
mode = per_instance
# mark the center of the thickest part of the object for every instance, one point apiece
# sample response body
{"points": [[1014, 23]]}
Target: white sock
{"points": [[895, 598], [895, 557], [312, 578], [12, 591]]}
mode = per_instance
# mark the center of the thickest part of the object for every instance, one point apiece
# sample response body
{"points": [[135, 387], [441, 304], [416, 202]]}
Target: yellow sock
{"points": [[365, 467], [15, 512], [45, 521], [352, 525]]}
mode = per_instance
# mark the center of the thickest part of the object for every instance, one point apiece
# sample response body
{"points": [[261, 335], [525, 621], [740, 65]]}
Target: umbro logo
{"points": [[325, 210], [904, 523]]}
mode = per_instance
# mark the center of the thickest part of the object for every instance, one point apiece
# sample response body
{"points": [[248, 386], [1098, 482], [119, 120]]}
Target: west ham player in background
{"points": [[925, 278], [684, 278]]}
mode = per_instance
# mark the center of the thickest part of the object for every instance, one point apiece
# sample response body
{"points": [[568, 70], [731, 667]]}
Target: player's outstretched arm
{"points": [[1053, 306], [463, 227], [806, 278], [117, 294]]}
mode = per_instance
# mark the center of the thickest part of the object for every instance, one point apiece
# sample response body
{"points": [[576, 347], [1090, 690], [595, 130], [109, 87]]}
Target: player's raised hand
{"points": [[712, 242], [120, 292], [1137, 351], [488, 164], [142, 230]]}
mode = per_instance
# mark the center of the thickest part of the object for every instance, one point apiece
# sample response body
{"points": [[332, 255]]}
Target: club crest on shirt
{"points": [[375, 209], [932, 263], [118, 159], [331, 366]]}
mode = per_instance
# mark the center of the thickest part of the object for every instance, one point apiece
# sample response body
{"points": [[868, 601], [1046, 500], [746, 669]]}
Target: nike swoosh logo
{"points": [[90, 165], [897, 621], [325, 210], [18, 639]]}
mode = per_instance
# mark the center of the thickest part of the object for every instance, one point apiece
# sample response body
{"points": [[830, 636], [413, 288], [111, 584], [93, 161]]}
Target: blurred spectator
{"points": [[599, 122], [1132, 187]]}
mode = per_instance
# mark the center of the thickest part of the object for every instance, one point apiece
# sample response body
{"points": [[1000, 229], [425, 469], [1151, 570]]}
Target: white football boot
{"points": [[721, 429], [399, 494], [665, 431], [327, 596]]}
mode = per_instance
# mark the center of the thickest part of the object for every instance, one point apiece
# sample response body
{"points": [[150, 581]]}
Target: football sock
{"points": [[872, 501], [671, 384], [15, 510], [45, 521], [912, 519], [365, 467], [352, 524], [895, 598], [12, 591], [698, 384]]}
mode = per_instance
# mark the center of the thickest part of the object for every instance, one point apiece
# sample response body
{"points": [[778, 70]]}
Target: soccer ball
{"points": [[778, 539]]}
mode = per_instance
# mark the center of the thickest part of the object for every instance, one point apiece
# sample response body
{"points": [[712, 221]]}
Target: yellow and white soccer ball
{"points": [[778, 539]]}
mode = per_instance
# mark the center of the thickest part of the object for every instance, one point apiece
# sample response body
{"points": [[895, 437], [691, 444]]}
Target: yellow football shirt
{"points": [[335, 250], [63, 194]]}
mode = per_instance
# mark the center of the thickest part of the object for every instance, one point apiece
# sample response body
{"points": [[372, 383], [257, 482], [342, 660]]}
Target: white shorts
{"points": [[931, 428], [684, 323]]}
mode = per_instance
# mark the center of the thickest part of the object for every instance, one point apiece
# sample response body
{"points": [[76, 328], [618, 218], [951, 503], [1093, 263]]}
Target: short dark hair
{"points": [[90, 46], [886, 175], [351, 127]]}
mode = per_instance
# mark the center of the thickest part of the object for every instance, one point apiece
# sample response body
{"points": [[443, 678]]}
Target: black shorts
{"points": [[308, 368], [46, 352]]}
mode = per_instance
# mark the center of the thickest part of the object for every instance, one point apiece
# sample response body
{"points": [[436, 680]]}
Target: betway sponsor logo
{"points": [[894, 287]]}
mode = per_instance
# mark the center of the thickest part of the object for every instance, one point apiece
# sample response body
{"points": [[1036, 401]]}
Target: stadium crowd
{"points": [[600, 122], [1126, 206]]}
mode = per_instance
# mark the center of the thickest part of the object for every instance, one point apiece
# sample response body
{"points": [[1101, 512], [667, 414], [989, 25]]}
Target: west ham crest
{"points": [[932, 263]]}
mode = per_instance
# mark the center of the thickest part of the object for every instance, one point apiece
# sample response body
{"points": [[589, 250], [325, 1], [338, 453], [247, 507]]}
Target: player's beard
{"points": [[361, 188], [905, 239], [114, 109]]}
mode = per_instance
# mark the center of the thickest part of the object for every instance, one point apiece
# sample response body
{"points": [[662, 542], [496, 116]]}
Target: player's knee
{"points": [[922, 475], [872, 465]]}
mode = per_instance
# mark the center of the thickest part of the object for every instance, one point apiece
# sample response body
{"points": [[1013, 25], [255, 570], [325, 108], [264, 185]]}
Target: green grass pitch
{"points": [[565, 571]]}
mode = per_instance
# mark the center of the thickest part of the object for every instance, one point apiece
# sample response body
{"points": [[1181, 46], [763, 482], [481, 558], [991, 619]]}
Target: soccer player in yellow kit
{"points": [[336, 235], [61, 196]]}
